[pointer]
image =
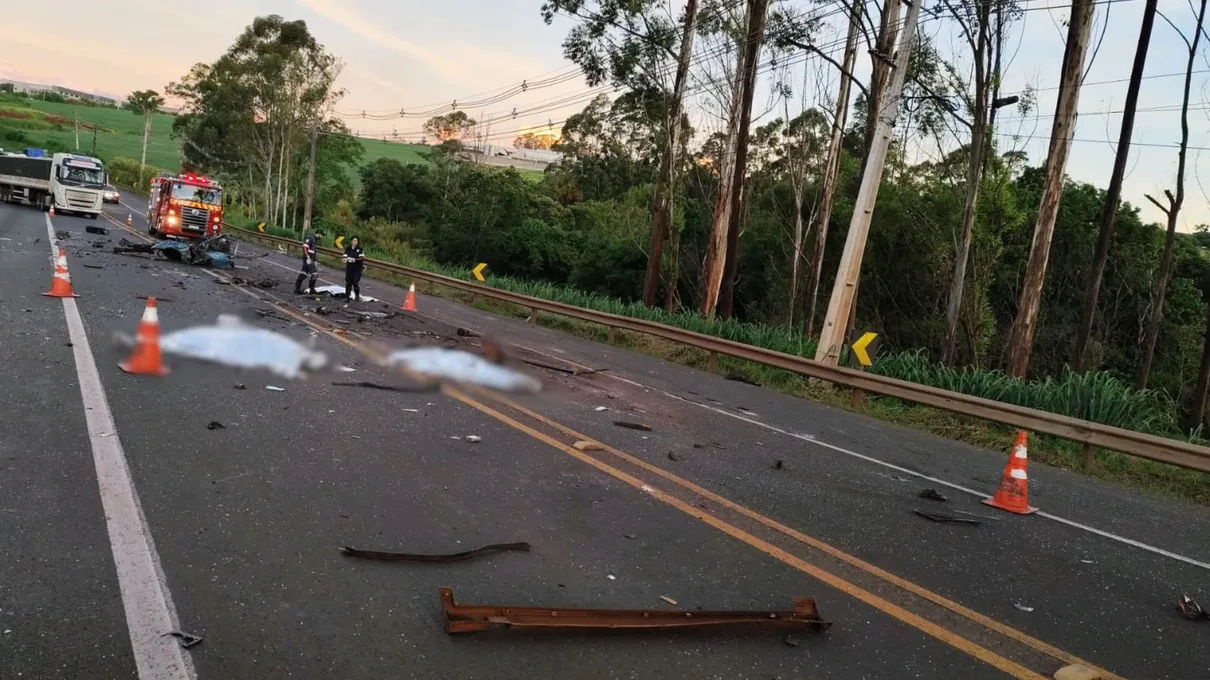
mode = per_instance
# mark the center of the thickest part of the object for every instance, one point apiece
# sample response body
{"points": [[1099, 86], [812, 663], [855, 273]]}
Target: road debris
{"points": [[945, 518], [187, 640], [379, 386], [428, 558], [439, 363], [215, 425], [96, 230], [611, 577], [630, 536], [212, 252], [669, 600], [1023, 608], [93, 266], [239, 386], [346, 369], [62, 235], [674, 456], [632, 426], [232, 342], [125, 247], [585, 445], [474, 439], [1190, 609], [339, 292], [779, 464], [275, 388], [462, 618], [601, 408], [322, 311], [576, 370], [790, 641], [1077, 672], [467, 333], [933, 495]]}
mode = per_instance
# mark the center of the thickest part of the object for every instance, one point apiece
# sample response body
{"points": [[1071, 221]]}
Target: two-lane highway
{"points": [[245, 521]]}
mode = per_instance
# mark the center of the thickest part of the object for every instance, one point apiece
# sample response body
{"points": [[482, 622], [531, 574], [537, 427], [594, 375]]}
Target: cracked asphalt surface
{"points": [[248, 519]]}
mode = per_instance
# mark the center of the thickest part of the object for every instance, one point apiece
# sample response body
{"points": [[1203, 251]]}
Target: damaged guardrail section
{"points": [[1151, 447]]}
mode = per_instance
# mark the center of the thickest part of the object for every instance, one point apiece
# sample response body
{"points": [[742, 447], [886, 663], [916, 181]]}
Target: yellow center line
{"points": [[971, 648]]}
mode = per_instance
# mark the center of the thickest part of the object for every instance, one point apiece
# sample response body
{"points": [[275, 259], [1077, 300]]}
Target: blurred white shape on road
{"points": [[462, 367], [232, 342]]}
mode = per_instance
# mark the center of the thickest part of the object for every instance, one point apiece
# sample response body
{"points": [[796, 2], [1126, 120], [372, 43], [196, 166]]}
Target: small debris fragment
{"points": [[62, 235], [222, 282], [93, 266], [933, 495], [69, 344], [778, 464], [790, 641], [389, 388], [187, 640], [630, 536], [585, 445], [215, 425], [1077, 672], [451, 557], [944, 518], [632, 426], [346, 369], [157, 298], [612, 577], [601, 408], [1190, 609], [322, 311], [96, 230], [1023, 607], [674, 456], [467, 333], [669, 600], [473, 438], [239, 386], [274, 388]]}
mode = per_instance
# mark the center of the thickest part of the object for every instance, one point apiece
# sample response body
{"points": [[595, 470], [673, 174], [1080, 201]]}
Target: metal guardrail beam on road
{"points": [[1151, 447]]}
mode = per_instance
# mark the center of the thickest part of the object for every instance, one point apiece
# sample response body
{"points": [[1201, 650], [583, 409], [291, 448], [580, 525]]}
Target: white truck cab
{"points": [[77, 183]]}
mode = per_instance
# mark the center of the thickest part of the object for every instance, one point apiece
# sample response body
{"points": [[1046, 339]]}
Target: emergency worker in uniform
{"points": [[310, 268], [355, 264]]}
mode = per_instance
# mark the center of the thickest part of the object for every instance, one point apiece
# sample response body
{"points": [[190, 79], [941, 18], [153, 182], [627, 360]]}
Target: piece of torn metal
{"points": [[632, 426], [125, 247], [1191, 609], [457, 366], [465, 618], [933, 495], [96, 230], [431, 558], [211, 252], [946, 519], [187, 640]]}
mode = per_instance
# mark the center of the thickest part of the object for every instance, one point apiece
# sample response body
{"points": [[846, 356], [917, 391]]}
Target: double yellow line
{"points": [[965, 645]]}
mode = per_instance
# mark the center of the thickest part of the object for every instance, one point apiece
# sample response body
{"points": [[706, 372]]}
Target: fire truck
{"points": [[184, 206]]}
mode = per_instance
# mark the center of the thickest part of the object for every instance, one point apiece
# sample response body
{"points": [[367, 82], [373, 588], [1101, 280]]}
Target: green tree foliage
{"points": [[455, 126]]}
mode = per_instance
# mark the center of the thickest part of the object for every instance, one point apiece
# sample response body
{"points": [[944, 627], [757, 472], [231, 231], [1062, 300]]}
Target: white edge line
{"points": [[870, 459], [150, 612]]}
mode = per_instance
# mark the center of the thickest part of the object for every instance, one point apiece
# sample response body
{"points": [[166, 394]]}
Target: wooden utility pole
{"points": [[847, 275], [661, 222], [831, 171], [1092, 288], [310, 197], [1197, 412], [1021, 342], [755, 36]]}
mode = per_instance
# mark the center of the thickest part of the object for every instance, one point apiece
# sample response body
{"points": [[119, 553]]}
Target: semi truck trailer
{"points": [[69, 182]]}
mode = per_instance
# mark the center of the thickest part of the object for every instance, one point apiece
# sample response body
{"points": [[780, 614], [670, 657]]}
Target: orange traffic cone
{"points": [[1013, 493], [146, 359], [129, 220], [409, 303], [51, 212], [60, 284]]}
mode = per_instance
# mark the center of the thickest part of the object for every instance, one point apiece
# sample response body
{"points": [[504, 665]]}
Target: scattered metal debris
{"points": [[944, 518], [1190, 609], [215, 425], [467, 333], [1023, 608], [187, 640], [630, 536], [322, 311], [275, 388], [471, 618], [451, 557], [585, 445], [669, 600], [232, 342], [457, 366], [674, 456], [62, 235], [933, 495], [93, 266], [778, 464], [212, 252], [125, 247], [474, 439], [378, 386], [96, 230], [239, 386], [632, 426]]}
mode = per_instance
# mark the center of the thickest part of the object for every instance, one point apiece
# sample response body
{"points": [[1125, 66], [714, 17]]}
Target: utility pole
{"points": [[849, 273], [1092, 289], [310, 178], [1021, 342], [94, 140], [758, 9], [77, 132]]}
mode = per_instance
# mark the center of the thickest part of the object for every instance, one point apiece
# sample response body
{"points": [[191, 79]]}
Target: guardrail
{"points": [[1151, 447]]}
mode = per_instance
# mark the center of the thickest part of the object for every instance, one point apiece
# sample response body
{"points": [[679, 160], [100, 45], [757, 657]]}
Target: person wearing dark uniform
{"points": [[355, 264], [309, 266]]}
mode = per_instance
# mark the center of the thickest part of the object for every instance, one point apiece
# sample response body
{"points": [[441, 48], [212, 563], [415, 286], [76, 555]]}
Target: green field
{"points": [[120, 133]]}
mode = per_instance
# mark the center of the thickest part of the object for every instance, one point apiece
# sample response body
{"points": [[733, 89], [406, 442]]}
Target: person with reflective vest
{"points": [[355, 264], [310, 266]]}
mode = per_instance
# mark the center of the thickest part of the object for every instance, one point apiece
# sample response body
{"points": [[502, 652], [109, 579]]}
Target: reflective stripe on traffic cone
{"points": [[409, 303], [146, 359], [1013, 493], [129, 220], [52, 210], [60, 283]]}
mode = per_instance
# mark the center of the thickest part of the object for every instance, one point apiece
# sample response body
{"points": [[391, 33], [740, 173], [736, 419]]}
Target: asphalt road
{"points": [[245, 521]]}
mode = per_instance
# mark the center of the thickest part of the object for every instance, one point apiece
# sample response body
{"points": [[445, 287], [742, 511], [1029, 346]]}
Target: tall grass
{"points": [[1098, 397]]}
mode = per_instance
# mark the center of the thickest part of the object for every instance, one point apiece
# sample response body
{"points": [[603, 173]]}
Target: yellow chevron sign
{"points": [[478, 271], [862, 349], [340, 242]]}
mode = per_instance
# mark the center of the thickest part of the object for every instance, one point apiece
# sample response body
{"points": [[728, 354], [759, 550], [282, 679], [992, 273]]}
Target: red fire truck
{"points": [[185, 206]]}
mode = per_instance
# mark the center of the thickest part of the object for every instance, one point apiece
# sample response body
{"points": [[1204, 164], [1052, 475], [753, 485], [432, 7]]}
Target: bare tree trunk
{"points": [[1197, 411], [974, 173], [797, 179], [831, 172], [716, 248], [661, 223], [1021, 341], [1092, 288], [143, 158], [755, 36], [1156, 315]]}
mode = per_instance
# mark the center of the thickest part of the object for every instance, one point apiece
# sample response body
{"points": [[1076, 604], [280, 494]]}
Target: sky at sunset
{"points": [[413, 54]]}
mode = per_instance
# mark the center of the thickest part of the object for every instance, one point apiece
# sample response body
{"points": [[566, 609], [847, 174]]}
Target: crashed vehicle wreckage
{"points": [[210, 252]]}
